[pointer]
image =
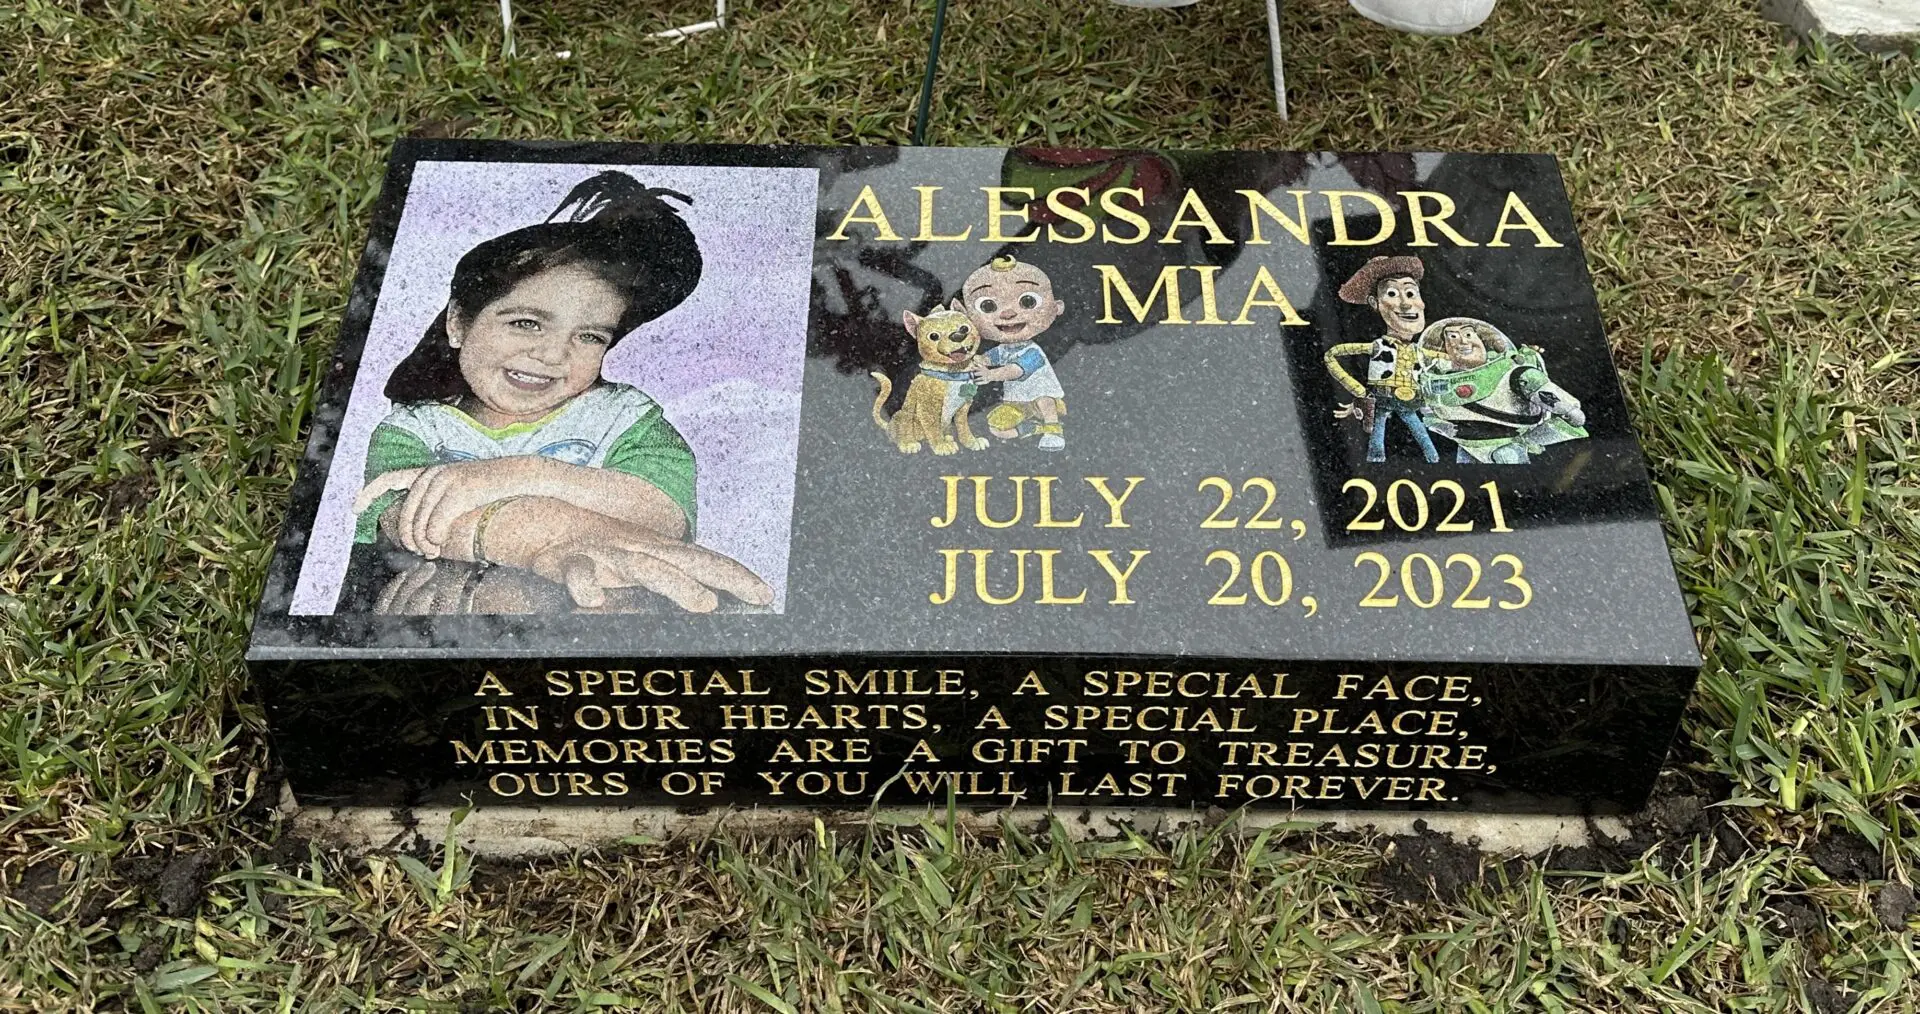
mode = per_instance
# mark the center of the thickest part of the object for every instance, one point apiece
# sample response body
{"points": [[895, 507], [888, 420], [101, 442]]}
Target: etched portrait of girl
{"points": [[510, 473]]}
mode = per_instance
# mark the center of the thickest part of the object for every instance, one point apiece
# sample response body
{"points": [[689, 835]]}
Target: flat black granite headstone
{"points": [[778, 475]]}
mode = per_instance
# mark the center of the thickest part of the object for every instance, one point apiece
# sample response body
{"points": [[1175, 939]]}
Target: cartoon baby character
{"points": [[941, 392], [1012, 302], [1492, 399]]}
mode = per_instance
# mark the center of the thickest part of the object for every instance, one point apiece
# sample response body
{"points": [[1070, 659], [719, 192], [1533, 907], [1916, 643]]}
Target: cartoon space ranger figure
{"points": [[1012, 302], [1493, 400], [1396, 360]]}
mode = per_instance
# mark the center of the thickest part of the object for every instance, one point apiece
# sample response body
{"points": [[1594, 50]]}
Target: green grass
{"points": [[183, 188]]}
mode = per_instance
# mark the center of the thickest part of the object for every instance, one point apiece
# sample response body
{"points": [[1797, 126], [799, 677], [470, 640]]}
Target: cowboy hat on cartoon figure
{"points": [[1395, 360]]}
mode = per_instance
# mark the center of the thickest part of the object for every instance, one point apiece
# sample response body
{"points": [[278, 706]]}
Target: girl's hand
{"points": [[438, 587], [383, 484], [409, 593], [592, 562], [442, 493]]}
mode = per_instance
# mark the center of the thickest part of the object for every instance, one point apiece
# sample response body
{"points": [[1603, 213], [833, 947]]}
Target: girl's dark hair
{"points": [[623, 232]]}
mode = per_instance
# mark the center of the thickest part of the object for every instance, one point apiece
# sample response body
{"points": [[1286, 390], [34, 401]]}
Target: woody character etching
{"points": [[1395, 369]]}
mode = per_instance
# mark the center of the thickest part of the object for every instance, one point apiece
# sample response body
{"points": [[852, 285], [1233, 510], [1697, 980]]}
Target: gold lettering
{"points": [[926, 233], [1047, 596], [945, 595], [1110, 203], [1070, 213], [1047, 519], [1419, 219], [980, 501], [1105, 559], [1336, 202], [1168, 282], [1258, 205], [464, 754], [1264, 280], [1209, 300], [1114, 503], [504, 717], [875, 217], [952, 483], [980, 576], [491, 684], [1202, 219], [1527, 223], [997, 211]]}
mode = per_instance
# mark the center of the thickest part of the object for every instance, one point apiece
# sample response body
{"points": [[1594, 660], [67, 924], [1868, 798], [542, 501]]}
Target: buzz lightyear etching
{"points": [[1460, 378]]}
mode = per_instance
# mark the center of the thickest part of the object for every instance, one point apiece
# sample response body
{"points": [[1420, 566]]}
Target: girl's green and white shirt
{"points": [[608, 426]]}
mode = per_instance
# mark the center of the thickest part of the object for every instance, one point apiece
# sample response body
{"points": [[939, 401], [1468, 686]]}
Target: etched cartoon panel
{"points": [[1461, 378]]}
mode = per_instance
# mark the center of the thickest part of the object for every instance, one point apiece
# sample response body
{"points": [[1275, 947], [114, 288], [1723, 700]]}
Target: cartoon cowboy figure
{"points": [[1492, 399], [1395, 360]]}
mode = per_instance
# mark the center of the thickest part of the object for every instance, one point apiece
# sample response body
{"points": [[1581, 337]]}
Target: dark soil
{"points": [[129, 492], [149, 956], [40, 889], [164, 447], [1681, 810], [1828, 998], [1797, 916], [290, 852], [176, 884], [266, 799], [1894, 904], [1679, 818], [1428, 865], [1846, 856]]}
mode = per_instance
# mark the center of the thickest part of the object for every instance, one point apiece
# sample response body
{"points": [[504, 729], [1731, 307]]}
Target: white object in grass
{"points": [[719, 21], [1426, 17]]}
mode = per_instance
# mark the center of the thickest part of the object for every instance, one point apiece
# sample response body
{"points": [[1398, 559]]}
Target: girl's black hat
{"points": [[610, 224]]}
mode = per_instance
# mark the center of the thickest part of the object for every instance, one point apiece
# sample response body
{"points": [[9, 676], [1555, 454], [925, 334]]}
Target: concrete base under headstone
{"points": [[1881, 25], [504, 832]]}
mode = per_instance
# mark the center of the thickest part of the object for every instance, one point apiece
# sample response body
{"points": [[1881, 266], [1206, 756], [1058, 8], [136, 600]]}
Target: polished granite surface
{"points": [[1211, 506]]}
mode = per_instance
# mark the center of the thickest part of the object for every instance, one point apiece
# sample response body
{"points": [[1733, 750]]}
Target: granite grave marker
{"points": [[701, 475]]}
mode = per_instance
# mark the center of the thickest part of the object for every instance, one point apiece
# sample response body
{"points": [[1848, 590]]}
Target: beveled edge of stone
{"points": [[506, 832], [1862, 24]]}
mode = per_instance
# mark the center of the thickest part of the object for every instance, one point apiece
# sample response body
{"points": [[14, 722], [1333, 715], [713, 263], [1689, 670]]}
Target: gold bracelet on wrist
{"points": [[480, 530]]}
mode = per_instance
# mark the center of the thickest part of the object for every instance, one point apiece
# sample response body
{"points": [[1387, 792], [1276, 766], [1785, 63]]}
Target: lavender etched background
{"points": [[725, 365]]}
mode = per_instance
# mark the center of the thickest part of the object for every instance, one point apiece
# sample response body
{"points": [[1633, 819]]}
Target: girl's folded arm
{"points": [[513, 531], [646, 480], [616, 494]]}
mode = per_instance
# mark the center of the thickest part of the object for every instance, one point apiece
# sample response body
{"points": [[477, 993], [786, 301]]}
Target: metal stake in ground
{"points": [[933, 62]]}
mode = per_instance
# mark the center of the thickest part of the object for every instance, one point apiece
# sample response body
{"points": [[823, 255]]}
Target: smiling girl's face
{"points": [[537, 347]]}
